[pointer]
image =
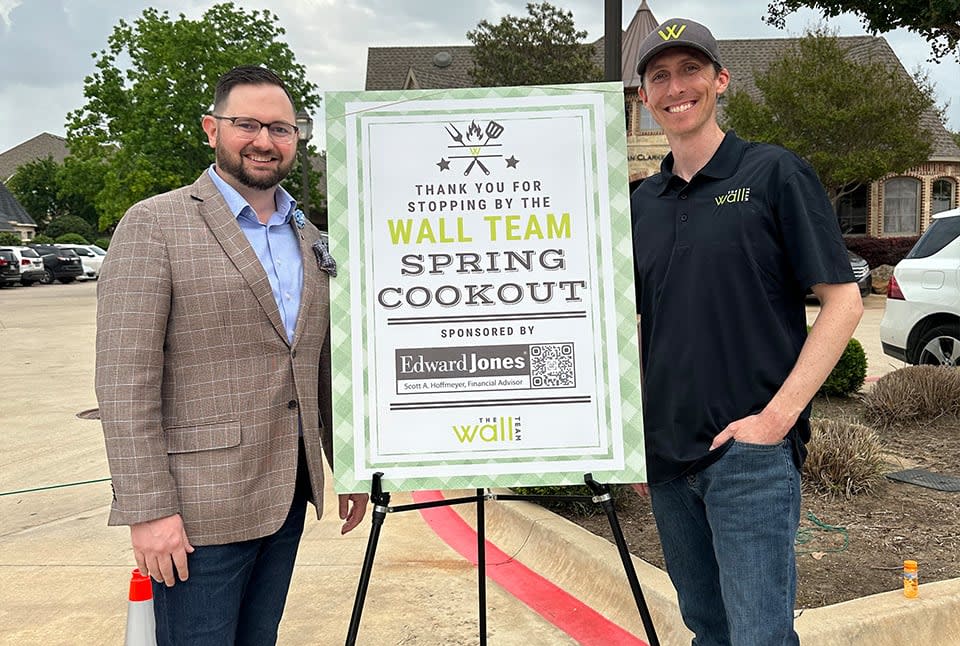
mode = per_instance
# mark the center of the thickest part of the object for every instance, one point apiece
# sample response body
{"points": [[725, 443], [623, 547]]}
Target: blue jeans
{"points": [[728, 540], [236, 592]]}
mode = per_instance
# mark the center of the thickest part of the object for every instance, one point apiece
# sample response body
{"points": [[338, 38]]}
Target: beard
{"points": [[233, 164]]}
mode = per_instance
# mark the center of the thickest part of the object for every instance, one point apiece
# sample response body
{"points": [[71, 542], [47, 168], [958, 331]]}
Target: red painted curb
{"points": [[566, 612]]}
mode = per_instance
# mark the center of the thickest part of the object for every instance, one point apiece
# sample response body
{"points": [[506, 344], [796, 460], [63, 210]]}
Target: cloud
{"points": [[6, 6]]}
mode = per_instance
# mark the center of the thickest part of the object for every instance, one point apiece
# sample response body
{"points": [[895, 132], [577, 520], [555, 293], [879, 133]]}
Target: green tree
{"points": [[544, 47], [854, 122], [956, 137], [938, 21], [35, 186], [48, 190], [79, 182], [71, 238], [10, 239], [153, 83], [69, 224]]}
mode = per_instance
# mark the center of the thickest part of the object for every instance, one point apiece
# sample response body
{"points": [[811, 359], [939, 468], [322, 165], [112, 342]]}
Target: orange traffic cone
{"points": [[141, 625]]}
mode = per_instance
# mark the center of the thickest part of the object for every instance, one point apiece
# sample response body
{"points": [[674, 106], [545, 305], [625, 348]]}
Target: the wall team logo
{"points": [[673, 32], [736, 195], [477, 143], [489, 430]]}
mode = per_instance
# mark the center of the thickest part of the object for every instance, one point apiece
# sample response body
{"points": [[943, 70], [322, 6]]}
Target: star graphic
{"points": [[443, 164], [512, 162]]}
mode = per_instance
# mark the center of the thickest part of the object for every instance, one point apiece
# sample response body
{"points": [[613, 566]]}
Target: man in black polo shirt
{"points": [[728, 237]]}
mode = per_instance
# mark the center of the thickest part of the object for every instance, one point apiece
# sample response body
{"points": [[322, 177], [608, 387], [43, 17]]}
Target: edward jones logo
{"points": [[473, 361], [489, 430]]}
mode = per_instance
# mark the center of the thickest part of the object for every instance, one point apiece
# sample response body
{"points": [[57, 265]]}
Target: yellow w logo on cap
{"points": [[673, 32]]}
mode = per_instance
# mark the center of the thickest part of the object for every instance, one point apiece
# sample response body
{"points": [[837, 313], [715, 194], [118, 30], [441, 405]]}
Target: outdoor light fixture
{"points": [[305, 124]]}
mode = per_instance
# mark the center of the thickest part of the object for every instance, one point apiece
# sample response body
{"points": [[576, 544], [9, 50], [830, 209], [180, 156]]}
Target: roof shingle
{"points": [[40, 147], [11, 211]]}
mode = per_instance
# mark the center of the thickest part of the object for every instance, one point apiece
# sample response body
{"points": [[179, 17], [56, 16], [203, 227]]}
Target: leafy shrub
{"points": [[72, 238], [573, 507], [881, 251], [848, 375], [11, 239], [103, 243], [914, 394], [43, 239], [844, 459], [69, 224]]}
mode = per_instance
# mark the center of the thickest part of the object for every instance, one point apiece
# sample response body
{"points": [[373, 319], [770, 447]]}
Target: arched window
{"points": [[942, 198], [901, 205]]}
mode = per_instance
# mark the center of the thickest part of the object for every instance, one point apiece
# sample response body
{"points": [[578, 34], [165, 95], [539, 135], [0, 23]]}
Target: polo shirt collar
{"points": [[723, 164]]}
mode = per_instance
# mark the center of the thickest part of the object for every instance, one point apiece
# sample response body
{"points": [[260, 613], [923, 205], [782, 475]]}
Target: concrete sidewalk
{"points": [[65, 573]]}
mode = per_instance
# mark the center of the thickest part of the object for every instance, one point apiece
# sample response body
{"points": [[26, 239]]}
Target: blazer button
{"points": [[292, 404], [293, 354]]}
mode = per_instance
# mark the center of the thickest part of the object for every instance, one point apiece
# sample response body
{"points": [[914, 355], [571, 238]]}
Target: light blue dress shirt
{"points": [[276, 244]]}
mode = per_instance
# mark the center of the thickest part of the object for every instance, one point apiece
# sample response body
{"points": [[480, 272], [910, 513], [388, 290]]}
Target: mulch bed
{"points": [[899, 521]]}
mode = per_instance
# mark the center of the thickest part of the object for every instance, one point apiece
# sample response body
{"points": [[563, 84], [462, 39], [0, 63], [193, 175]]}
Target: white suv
{"points": [[921, 323], [31, 264]]}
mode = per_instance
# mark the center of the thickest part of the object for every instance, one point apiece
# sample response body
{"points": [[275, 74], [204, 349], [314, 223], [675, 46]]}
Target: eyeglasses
{"points": [[249, 128]]}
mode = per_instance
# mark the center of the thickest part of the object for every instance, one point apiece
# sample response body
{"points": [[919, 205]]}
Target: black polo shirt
{"points": [[723, 263]]}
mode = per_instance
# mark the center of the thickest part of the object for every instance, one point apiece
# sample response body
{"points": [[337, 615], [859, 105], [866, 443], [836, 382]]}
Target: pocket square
{"points": [[324, 260]]}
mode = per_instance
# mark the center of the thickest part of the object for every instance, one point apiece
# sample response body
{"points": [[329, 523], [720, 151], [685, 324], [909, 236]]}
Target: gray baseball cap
{"points": [[677, 32]]}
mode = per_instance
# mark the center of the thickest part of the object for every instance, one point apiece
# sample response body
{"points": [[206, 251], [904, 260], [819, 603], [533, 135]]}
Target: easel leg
{"points": [[482, 566], [602, 495], [381, 502]]}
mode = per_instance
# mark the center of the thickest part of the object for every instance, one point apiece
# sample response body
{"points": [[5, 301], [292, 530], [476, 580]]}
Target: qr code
{"points": [[551, 366]]}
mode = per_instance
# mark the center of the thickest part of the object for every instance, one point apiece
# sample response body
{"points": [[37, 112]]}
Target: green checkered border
{"points": [[345, 426]]}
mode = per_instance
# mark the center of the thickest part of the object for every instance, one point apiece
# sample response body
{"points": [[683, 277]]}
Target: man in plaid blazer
{"points": [[213, 377]]}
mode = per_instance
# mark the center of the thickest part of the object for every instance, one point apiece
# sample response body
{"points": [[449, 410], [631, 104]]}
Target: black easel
{"points": [[381, 507]]}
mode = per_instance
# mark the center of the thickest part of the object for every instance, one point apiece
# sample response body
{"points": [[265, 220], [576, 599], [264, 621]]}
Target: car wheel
{"points": [[66, 281], [940, 346], [47, 277]]}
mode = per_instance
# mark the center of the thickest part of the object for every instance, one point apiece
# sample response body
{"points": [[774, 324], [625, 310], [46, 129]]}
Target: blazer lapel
{"points": [[223, 224], [311, 279]]}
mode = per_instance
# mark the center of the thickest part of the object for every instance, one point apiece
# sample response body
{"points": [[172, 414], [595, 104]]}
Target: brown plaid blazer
{"points": [[199, 389]]}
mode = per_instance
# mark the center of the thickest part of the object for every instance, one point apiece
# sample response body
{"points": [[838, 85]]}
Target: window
{"points": [[901, 205], [942, 198], [646, 119], [852, 212], [638, 117], [942, 231]]}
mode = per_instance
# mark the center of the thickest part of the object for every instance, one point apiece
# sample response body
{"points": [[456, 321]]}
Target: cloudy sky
{"points": [[45, 45]]}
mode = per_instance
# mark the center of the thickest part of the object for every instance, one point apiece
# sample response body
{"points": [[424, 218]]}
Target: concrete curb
{"points": [[588, 567]]}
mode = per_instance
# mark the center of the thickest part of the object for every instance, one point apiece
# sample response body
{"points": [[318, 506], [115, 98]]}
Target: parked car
{"points": [[861, 273], [30, 262], [58, 264], [921, 322], [9, 268], [89, 259]]}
